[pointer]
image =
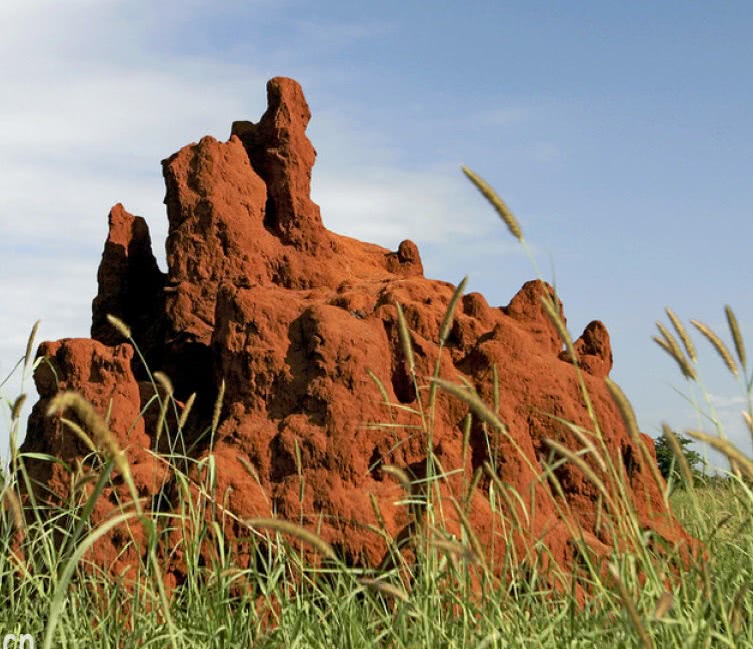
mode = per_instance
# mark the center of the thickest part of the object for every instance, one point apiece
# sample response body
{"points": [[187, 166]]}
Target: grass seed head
{"points": [[444, 330], [286, 527], [737, 337], [123, 329], [670, 345], [490, 195], [683, 333], [718, 345]]}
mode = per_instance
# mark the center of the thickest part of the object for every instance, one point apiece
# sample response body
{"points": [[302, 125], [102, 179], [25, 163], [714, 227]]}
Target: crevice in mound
{"points": [[283, 464], [190, 367], [305, 364]]}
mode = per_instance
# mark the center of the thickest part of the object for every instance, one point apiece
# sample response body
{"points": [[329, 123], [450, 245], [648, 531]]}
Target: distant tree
{"points": [[665, 456]]}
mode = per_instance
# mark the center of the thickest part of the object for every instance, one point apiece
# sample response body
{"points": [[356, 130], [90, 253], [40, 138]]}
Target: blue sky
{"points": [[619, 132]]}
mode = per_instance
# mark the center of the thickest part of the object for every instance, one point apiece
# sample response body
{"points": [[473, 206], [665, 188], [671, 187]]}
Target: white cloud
{"points": [[728, 402], [385, 206], [93, 100]]}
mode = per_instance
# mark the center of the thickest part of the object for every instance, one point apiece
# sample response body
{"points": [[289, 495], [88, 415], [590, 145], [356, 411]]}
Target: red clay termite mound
{"points": [[290, 317]]}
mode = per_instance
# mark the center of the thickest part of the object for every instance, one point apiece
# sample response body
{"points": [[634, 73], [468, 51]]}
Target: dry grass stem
{"points": [[405, 340], [682, 462], [490, 195], [444, 330], [400, 475], [580, 433], [748, 421], [669, 344], [81, 434], [737, 337], [556, 318], [383, 588], [123, 329], [164, 380], [218, 406], [478, 407], [578, 461], [30, 343], [736, 457], [286, 527], [103, 437], [14, 505], [476, 546], [717, 343], [683, 333], [738, 615], [186, 411], [455, 549], [632, 611], [377, 511], [626, 410], [664, 605], [18, 404]]}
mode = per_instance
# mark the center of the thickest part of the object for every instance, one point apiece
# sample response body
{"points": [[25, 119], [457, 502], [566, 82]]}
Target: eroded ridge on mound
{"points": [[260, 295]]}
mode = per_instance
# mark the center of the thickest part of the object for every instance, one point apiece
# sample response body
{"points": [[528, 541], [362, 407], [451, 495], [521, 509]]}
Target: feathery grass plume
{"points": [[484, 413], [475, 479], [14, 505], [504, 494], [632, 611], [30, 345], [164, 380], [626, 410], [377, 510], [380, 385], [588, 444], [664, 605], [554, 316], [286, 527], [578, 461], [102, 435], [166, 384], [682, 462], [400, 475], [383, 588], [737, 458], [478, 407], [455, 549], [15, 412], [186, 411], [123, 329], [251, 469], [476, 546], [444, 330], [737, 615], [467, 424], [737, 337], [717, 343], [490, 195], [748, 420], [495, 387], [405, 340], [81, 434], [683, 333], [218, 407], [628, 417], [670, 345]]}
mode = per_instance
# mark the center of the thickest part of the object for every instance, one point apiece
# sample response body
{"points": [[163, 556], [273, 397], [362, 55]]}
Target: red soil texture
{"points": [[290, 317]]}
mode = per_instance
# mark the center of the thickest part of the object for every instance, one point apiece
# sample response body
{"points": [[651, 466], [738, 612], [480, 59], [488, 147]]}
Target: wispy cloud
{"points": [[728, 402], [96, 93]]}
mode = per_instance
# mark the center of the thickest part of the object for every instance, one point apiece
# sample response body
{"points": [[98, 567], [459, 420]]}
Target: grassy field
{"points": [[447, 597]]}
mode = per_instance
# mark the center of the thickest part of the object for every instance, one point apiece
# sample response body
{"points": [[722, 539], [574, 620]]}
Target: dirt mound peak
{"points": [[292, 321]]}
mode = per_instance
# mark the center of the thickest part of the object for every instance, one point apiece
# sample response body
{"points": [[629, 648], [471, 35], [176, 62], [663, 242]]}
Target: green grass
{"points": [[448, 597]]}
